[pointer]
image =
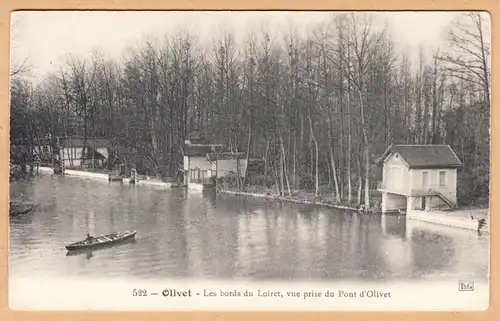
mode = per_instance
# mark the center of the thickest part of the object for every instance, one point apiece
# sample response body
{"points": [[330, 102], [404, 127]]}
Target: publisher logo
{"points": [[465, 286]]}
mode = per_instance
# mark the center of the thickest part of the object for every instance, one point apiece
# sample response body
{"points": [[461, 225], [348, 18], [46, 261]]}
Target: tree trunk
{"points": [[367, 178], [313, 138], [349, 141], [434, 103], [276, 179], [317, 166], [282, 173], [360, 178], [265, 161], [332, 159], [248, 152], [294, 178], [367, 150], [285, 169]]}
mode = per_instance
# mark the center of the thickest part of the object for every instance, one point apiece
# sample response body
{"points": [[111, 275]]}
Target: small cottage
{"points": [[205, 161], [74, 155], [418, 177]]}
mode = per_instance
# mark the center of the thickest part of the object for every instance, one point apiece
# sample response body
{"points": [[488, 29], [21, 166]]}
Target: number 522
{"points": [[139, 292]]}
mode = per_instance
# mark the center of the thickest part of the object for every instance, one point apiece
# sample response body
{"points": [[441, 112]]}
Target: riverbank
{"points": [[112, 177], [474, 219], [87, 174], [17, 173], [298, 198]]}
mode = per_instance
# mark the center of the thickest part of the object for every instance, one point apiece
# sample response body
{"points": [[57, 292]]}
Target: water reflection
{"points": [[393, 225], [395, 245], [192, 234]]}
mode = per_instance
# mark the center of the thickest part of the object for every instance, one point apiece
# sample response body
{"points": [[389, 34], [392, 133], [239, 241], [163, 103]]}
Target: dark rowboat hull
{"points": [[90, 251], [102, 241]]}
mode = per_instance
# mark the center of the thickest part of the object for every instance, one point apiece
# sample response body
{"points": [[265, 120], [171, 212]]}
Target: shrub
{"points": [[307, 183], [229, 181], [261, 180]]}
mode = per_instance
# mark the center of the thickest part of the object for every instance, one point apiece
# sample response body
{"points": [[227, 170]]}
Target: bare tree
{"points": [[276, 99], [468, 57], [18, 65], [363, 42]]}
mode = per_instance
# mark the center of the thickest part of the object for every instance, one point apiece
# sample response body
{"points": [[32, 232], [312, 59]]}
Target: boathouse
{"points": [[80, 153], [204, 161], [418, 177], [74, 152]]}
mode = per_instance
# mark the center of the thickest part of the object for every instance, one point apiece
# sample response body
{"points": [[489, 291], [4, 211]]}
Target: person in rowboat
{"points": [[89, 239]]}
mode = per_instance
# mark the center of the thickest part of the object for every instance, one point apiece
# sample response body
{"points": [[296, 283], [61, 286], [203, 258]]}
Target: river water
{"points": [[200, 235]]}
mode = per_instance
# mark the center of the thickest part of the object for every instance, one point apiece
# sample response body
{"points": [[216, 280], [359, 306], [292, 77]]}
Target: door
{"points": [[423, 203]]}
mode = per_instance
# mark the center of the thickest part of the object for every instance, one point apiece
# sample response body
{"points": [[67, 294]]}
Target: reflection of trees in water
{"points": [[394, 225], [395, 246], [21, 190], [313, 242], [368, 261], [24, 219], [444, 250], [161, 248], [211, 235], [354, 241], [210, 198], [431, 252], [187, 234]]}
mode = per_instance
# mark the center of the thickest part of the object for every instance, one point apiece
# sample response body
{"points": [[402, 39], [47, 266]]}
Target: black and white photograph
{"points": [[249, 160]]}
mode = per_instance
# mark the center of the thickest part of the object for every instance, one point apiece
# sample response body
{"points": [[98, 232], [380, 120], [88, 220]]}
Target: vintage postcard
{"points": [[250, 160]]}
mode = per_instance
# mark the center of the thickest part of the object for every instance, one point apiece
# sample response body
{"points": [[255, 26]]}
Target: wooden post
{"points": [[384, 202]]}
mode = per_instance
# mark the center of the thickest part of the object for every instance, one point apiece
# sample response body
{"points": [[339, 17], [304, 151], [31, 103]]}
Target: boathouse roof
{"points": [[79, 142], [66, 142], [423, 156], [202, 150], [225, 156], [197, 150], [99, 153], [196, 137]]}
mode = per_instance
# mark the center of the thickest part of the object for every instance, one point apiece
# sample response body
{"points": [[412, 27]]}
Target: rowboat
{"points": [[89, 252], [102, 241]]}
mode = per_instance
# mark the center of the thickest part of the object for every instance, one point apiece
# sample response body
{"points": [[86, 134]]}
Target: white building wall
{"points": [[449, 190], [396, 175], [74, 153], [199, 162]]}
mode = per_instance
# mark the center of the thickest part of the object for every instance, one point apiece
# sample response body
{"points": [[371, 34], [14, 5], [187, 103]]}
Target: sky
{"points": [[45, 37]]}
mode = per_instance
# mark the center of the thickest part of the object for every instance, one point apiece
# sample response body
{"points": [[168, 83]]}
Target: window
{"points": [[425, 179], [442, 178]]}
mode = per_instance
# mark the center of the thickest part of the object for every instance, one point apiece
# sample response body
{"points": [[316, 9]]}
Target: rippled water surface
{"points": [[189, 234]]}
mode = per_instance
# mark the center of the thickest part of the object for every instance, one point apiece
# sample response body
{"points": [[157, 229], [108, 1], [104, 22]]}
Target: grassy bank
{"points": [[324, 198]]}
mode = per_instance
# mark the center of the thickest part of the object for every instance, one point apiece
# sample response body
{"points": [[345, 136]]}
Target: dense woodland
{"points": [[319, 106]]}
